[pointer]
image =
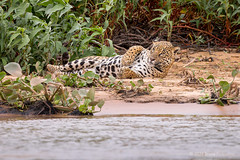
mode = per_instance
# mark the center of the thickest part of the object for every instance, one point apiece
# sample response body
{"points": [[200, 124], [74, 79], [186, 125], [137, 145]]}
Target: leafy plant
{"points": [[31, 89], [219, 95]]}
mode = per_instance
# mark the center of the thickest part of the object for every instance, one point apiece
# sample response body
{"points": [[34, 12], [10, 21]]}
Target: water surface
{"points": [[158, 137]]}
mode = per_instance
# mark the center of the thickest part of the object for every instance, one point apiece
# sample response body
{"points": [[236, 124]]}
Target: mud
{"points": [[178, 87], [33, 108]]}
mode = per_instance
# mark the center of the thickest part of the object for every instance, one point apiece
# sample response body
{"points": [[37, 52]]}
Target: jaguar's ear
{"points": [[176, 50]]}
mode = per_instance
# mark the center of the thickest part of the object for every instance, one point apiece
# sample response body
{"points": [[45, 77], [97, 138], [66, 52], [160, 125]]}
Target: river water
{"points": [[117, 137]]}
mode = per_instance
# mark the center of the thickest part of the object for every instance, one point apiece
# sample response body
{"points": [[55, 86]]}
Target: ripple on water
{"points": [[121, 138]]}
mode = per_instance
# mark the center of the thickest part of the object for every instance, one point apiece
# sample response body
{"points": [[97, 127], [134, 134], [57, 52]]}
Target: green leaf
{"points": [[219, 102], [25, 41], [100, 103], [225, 87], [204, 100], [75, 27], [65, 10], [105, 50], [133, 84], [36, 81], [13, 37], [21, 9], [211, 77], [54, 9], [82, 92], [89, 74], [7, 92], [75, 93], [13, 98], [91, 94], [7, 82], [150, 86], [235, 72], [2, 75], [14, 69], [140, 82], [93, 103], [60, 1], [34, 32], [44, 39], [38, 88], [112, 79]]}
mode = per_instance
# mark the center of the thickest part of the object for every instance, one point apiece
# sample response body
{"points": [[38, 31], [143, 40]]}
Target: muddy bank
{"points": [[182, 83]]}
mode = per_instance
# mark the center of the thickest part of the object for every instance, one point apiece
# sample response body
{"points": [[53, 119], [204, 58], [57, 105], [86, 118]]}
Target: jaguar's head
{"points": [[162, 54]]}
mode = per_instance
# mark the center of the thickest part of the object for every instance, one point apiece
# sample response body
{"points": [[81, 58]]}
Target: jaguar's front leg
{"points": [[130, 55], [127, 73]]}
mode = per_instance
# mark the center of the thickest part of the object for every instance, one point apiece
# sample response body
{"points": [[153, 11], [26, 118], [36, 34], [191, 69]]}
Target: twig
{"points": [[189, 62]]}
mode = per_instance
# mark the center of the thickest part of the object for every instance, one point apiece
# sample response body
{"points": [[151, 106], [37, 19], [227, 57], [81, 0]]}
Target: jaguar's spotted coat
{"points": [[135, 63]]}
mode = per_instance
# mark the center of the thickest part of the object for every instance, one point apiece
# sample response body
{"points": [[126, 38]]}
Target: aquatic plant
{"points": [[32, 88]]}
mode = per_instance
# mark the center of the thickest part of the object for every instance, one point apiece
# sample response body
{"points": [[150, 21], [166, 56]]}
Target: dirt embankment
{"points": [[182, 83]]}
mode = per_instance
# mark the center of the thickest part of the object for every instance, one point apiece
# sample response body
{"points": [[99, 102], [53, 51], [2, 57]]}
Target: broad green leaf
{"points": [[25, 41], [7, 92], [38, 67], [36, 81], [13, 37], [7, 82], [219, 102], [2, 75], [150, 86], [38, 88], [44, 39], [54, 9], [235, 72], [204, 101], [34, 32], [45, 2], [13, 98], [14, 69], [82, 92], [105, 50], [93, 103], [75, 93], [75, 27], [140, 82], [211, 77], [112, 79], [100, 103], [89, 74], [60, 1], [133, 84], [65, 10], [21, 9], [91, 94], [224, 85]]}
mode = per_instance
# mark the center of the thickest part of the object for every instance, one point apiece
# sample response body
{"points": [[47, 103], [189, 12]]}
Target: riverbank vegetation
{"points": [[33, 33]]}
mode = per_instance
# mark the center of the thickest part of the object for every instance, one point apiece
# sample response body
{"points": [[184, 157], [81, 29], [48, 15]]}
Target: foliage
{"points": [[36, 31], [220, 95], [206, 18], [34, 88], [32, 33]]}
